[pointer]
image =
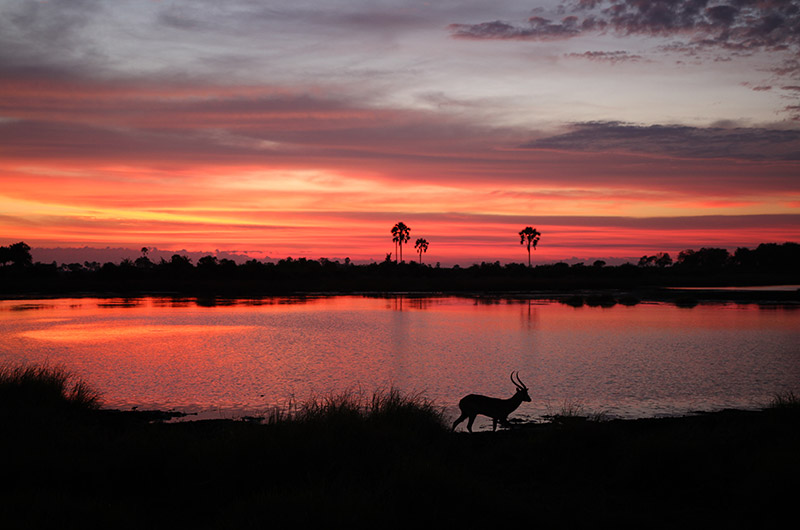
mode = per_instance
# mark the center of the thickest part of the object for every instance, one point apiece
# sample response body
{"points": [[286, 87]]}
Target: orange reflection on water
{"points": [[95, 333]]}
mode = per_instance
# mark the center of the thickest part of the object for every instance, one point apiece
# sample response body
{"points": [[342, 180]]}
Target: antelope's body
{"points": [[495, 408]]}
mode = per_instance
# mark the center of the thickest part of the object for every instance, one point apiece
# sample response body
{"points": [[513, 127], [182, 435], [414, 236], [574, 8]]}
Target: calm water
{"points": [[240, 358]]}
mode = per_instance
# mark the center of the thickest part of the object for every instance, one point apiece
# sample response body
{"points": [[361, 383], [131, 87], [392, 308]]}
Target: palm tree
{"points": [[400, 235], [531, 236], [422, 246]]}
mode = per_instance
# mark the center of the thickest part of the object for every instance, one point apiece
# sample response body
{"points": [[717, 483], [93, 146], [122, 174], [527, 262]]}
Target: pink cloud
{"points": [[298, 172]]}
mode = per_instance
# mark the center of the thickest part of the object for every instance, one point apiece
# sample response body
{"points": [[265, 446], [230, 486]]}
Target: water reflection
{"points": [[173, 301], [421, 304], [217, 301], [25, 307], [83, 333], [121, 303], [529, 314], [233, 354], [486, 300], [778, 307]]}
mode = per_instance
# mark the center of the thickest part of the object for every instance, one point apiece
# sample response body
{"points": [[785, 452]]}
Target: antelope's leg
{"points": [[459, 420], [470, 422]]}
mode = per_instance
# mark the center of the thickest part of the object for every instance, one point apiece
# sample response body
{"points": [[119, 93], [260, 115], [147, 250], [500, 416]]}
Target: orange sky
{"points": [[292, 137]]}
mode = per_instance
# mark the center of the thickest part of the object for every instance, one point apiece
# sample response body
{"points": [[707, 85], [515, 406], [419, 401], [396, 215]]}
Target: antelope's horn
{"points": [[521, 383], [515, 383]]}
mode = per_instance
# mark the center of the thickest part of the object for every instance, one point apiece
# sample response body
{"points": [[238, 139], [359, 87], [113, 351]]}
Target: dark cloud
{"points": [[538, 29], [789, 67], [723, 14], [48, 33], [732, 24], [676, 141]]}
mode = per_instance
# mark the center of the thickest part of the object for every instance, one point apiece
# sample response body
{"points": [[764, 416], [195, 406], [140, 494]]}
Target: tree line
{"points": [[769, 262], [767, 257]]}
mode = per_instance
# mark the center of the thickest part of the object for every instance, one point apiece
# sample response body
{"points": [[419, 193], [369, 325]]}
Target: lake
{"points": [[240, 357]]}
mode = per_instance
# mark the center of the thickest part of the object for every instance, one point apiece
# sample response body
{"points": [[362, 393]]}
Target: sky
{"points": [[617, 128]]}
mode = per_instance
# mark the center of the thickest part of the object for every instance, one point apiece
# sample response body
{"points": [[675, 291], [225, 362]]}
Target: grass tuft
{"points": [[355, 406], [785, 400], [42, 386], [572, 411]]}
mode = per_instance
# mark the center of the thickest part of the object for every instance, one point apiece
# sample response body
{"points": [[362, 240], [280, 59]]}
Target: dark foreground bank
{"points": [[70, 465], [386, 460], [113, 470]]}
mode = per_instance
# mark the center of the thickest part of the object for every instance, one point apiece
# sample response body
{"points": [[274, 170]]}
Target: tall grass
{"points": [[572, 411], [390, 407], [42, 386], [785, 400]]}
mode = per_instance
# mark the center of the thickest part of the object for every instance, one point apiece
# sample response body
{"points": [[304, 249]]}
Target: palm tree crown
{"points": [[531, 236], [400, 235], [422, 246]]}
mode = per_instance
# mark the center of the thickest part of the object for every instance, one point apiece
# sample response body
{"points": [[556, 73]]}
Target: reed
{"points": [[42, 386], [383, 406], [785, 400], [573, 411]]}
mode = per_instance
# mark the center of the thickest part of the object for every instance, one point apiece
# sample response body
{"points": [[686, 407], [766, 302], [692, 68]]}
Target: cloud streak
{"points": [[737, 24], [609, 57], [677, 141]]}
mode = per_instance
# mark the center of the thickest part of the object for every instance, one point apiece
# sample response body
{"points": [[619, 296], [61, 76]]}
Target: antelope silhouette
{"points": [[495, 408]]}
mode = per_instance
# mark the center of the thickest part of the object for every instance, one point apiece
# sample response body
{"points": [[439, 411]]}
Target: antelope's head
{"points": [[522, 390]]}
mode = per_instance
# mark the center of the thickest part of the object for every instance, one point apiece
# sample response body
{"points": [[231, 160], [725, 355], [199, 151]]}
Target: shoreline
{"points": [[519, 419], [523, 423], [735, 294]]}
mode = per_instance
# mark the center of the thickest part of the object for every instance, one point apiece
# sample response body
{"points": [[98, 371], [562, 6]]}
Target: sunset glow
{"points": [[616, 128]]}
